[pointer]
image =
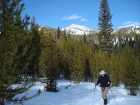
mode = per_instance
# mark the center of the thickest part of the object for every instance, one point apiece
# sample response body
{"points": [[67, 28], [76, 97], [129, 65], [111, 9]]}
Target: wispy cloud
{"points": [[129, 23], [74, 17], [83, 19]]}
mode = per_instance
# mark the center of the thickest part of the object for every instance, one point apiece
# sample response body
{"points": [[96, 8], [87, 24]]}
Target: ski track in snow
{"points": [[77, 94]]}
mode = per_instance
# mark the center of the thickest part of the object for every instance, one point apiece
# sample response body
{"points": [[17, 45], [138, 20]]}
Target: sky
{"points": [[62, 13]]}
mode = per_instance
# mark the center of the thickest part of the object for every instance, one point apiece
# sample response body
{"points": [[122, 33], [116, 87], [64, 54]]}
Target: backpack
{"points": [[107, 74], [107, 77]]}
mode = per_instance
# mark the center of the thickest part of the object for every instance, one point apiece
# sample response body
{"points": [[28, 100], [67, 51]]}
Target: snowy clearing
{"points": [[81, 94]]}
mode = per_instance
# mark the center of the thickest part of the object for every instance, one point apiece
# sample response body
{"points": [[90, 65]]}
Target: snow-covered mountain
{"points": [[79, 30], [75, 29], [128, 29]]}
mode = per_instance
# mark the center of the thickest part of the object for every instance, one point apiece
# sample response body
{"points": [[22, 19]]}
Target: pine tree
{"points": [[115, 70], [65, 37], [34, 49], [64, 55], [48, 60], [105, 27], [21, 57], [93, 40], [89, 62], [137, 45], [85, 38], [11, 28], [58, 34], [131, 70], [66, 52], [78, 62]]}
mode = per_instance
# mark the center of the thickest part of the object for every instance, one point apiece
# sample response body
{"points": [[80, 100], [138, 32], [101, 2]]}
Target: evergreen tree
{"points": [[105, 27], [34, 49], [137, 45], [93, 40], [78, 62], [11, 29], [131, 70], [88, 52], [66, 51], [48, 60], [85, 38], [65, 34], [115, 70], [20, 60], [58, 34]]}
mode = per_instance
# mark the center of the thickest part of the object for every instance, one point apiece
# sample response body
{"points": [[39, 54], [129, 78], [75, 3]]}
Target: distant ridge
{"points": [[81, 30]]}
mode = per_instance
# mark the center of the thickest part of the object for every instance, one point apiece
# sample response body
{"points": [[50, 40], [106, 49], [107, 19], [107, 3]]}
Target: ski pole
{"points": [[94, 91], [93, 95], [113, 96]]}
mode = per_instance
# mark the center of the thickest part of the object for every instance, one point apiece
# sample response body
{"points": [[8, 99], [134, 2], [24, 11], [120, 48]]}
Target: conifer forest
{"points": [[27, 51]]}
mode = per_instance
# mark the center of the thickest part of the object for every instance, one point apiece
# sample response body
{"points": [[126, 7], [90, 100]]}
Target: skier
{"points": [[104, 82]]}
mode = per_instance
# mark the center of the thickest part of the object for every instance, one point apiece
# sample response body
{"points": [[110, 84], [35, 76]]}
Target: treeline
{"points": [[82, 59], [27, 51]]}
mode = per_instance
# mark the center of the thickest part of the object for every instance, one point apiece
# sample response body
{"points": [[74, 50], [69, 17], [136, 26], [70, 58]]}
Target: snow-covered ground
{"points": [[77, 94]]}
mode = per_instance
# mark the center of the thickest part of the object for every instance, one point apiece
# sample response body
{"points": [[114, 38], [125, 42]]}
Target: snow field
{"points": [[77, 94]]}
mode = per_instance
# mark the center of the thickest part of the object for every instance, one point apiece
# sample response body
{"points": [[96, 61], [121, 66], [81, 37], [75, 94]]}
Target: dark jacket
{"points": [[103, 81]]}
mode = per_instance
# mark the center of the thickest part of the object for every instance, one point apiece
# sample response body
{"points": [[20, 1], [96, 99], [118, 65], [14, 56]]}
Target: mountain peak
{"points": [[81, 30], [129, 28], [76, 25], [78, 29], [131, 25]]}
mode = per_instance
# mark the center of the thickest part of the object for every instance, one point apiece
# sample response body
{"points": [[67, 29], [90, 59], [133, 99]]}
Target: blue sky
{"points": [[62, 13]]}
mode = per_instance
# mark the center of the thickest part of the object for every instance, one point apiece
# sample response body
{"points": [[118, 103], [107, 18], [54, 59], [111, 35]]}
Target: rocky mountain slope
{"points": [[81, 30]]}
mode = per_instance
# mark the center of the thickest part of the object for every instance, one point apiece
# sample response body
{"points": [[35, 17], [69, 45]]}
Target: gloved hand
{"points": [[95, 84], [108, 84]]}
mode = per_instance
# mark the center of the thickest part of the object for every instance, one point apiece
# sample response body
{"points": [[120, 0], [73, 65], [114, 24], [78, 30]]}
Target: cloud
{"points": [[83, 19], [129, 23], [136, 23], [74, 17]]}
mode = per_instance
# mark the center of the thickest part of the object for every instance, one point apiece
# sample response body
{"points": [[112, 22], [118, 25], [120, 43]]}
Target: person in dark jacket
{"points": [[104, 82]]}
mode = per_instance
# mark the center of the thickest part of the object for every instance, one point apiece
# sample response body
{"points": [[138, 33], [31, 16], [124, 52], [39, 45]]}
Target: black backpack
{"points": [[107, 77], [107, 74]]}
